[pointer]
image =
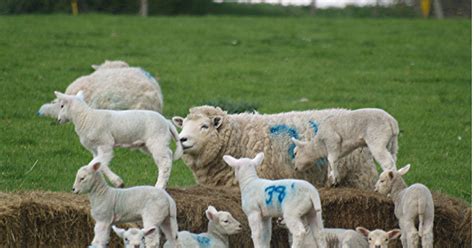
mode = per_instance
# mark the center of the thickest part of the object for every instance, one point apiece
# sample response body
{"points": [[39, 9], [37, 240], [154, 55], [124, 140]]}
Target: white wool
{"points": [[100, 131], [411, 203], [379, 238], [151, 205], [134, 237], [296, 200]]}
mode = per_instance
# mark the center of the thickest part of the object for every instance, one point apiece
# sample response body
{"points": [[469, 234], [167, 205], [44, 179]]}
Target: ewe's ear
{"points": [[217, 121], [149, 230], [80, 95], [96, 166], [118, 231], [404, 170], [258, 159], [178, 121], [393, 234], [297, 142], [230, 160], [211, 213], [363, 231]]}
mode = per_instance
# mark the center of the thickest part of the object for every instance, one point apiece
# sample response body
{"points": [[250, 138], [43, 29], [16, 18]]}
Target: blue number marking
{"points": [[281, 190]]}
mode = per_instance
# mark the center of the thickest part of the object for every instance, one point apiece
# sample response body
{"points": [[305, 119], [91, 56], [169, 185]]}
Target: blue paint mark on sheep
{"points": [[203, 241], [284, 129], [314, 125], [270, 190], [292, 185]]}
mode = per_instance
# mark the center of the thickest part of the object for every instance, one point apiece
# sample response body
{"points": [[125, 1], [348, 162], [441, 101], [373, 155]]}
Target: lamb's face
{"points": [[384, 184], [197, 132], [223, 221], [84, 178], [379, 238], [66, 102], [304, 155], [133, 237]]}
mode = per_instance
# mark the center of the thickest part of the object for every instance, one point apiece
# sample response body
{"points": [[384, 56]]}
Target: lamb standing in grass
{"points": [[378, 238], [296, 200], [114, 85], [411, 203], [101, 130], [151, 205], [343, 132], [221, 225], [133, 237]]}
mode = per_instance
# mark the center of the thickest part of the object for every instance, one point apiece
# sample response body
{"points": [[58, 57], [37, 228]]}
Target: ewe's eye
{"points": [[62, 105], [386, 240], [226, 221], [382, 181], [81, 179], [370, 239], [204, 126]]}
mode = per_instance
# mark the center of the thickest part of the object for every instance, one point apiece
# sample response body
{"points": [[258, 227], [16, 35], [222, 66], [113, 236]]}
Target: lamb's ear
{"points": [[363, 231], [149, 230], [258, 159], [60, 95], [230, 160], [118, 231], [404, 170], [217, 121], [80, 95], [211, 213], [178, 121], [96, 166], [297, 142], [393, 234]]}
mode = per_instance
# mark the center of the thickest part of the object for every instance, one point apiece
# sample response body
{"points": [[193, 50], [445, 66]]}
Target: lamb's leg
{"points": [[257, 228], [410, 232], [379, 150], [296, 227], [333, 147], [427, 234], [163, 159], [101, 235], [105, 155], [333, 174], [169, 228]]}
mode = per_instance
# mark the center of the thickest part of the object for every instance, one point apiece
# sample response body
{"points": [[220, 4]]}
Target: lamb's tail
{"points": [[393, 144], [179, 147], [421, 213], [316, 224]]}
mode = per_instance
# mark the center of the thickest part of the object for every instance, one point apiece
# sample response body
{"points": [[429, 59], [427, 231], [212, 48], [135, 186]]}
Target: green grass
{"points": [[417, 70]]}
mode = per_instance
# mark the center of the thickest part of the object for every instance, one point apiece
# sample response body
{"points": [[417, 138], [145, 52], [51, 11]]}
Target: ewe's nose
{"points": [[378, 246], [137, 246], [184, 139], [73, 189]]}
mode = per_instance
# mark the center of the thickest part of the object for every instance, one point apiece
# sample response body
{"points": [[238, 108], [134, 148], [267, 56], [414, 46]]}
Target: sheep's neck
{"points": [[79, 116], [397, 187], [99, 191], [212, 231], [246, 180]]}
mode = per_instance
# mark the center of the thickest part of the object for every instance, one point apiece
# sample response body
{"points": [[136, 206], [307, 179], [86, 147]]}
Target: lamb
{"points": [[296, 200], [410, 203], [151, 205], [114, 85], [221, 225], [378, 238], [133, 237], [343, 132], [208, 133], [100, 130]]}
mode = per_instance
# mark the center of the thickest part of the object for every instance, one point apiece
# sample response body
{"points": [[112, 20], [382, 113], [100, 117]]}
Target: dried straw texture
{"points": [[46, 219]]}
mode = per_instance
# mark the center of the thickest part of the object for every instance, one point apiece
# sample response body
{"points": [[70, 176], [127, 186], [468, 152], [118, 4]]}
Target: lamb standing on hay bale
{"points": [[151, 205], [379, 238], [411, 203], [114, 85], [343, 132], [101, 130], [221, 225], [296, 200], [133, 237], [208, 133]]}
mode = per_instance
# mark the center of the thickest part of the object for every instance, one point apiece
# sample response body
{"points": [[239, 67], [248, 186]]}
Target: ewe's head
{"points": [[66, 102], [110, 64], [386, 179], [199, 128], [133, 237], [85, 177], [305, 155], [244, 166], [379, 238], [223, 221]]}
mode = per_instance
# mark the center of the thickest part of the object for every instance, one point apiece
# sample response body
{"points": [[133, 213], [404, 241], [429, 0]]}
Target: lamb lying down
{"points": [[221, 225], [379, 238], [151, 205], [133, 237], [100, 131]]}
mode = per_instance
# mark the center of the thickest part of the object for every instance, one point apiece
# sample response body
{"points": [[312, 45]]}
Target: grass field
{"points": [[417, 70]]}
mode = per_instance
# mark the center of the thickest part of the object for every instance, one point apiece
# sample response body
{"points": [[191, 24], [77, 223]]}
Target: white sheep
{"points": [[341, 133], [151, 205], [114, 85], [208, 133], [100, 131], [411, 203], [378, 238], [296, 200], [133, 237], [221, 225]]}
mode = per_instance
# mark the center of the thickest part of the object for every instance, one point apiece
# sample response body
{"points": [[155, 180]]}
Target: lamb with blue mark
{"points": [[263, 199]]}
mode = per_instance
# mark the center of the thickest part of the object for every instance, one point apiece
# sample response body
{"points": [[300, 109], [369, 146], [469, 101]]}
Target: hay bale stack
{"points": [[46, 219]]}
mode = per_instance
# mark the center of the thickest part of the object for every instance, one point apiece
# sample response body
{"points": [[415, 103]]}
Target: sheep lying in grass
{"points": [[411, 203], [114, 85], [378, 238], [334, 237], [101, 130], [343, 132], [133, 237], [296, 200], [151, 205], [221, 225]]}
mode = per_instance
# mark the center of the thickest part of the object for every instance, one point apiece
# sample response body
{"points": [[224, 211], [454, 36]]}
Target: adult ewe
{"points": [[208, 133], [114, 85]]}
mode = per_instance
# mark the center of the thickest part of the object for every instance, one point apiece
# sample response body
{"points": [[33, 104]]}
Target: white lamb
{"points": [[134, 237], [296, 200], [221, 225], [410, 203], [100, 130], [151, 205], [378, 238], [114, 85], [343, 132]]}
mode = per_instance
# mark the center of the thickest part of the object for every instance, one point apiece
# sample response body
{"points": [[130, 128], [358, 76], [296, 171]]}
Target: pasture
{"points": [[417, 70]]}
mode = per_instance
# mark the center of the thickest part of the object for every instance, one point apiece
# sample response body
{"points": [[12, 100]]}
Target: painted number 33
{"points": [[270, 190]]}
